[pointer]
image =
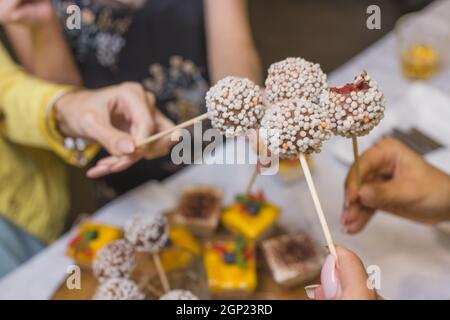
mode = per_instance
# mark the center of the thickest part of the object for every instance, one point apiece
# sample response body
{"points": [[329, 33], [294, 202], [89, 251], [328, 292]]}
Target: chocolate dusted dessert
{"points": [[199, 209], [293, 258]]}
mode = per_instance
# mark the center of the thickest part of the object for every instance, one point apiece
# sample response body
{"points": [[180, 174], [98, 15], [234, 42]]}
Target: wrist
{"points": [[60, 113]]}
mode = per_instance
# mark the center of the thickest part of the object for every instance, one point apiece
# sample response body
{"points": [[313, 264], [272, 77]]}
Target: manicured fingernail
{"points": [[311, 290], [330, 284], [125, 146]]}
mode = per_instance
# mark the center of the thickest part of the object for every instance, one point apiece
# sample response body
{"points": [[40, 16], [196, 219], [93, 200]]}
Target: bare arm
{"points": [[39, 43], [231, 50]]}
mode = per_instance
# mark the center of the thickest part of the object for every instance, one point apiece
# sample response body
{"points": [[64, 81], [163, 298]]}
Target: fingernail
{"points": [[330, 284], [311, 290], [125, 146]]}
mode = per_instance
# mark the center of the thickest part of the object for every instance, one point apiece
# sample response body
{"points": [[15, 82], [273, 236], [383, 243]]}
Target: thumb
{"points": [[117, 142], [345, 279], [381, 195]]}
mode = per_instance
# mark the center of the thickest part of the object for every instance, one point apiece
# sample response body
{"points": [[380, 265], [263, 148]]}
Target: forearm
{"points": [[231, 50], [52, 60]]}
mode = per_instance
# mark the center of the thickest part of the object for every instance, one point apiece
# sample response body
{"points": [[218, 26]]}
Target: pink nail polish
{"points": [[330, 283]]}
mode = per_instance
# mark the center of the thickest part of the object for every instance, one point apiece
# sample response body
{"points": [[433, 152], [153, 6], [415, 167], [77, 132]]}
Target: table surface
{"points": [[414, 259]]}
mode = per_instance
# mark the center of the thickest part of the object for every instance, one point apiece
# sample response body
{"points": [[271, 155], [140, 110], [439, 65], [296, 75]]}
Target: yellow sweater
{"points": [[33, 181]]}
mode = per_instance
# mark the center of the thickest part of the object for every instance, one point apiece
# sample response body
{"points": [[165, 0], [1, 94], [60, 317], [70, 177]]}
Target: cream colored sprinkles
{"points": [[234, 106]]}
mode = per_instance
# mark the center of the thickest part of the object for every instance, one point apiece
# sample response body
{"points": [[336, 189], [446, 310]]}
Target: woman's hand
{"points": [[118, 118], [397, 180], [345, 280], [31, 12]]}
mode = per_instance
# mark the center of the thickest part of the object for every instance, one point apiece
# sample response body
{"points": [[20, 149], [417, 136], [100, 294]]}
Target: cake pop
{"points": [[179, 295], [295, 126], [150, 234], [356, 108], [147, 233], [234, 106], [295, 78], [118, 289], [114, 260]]}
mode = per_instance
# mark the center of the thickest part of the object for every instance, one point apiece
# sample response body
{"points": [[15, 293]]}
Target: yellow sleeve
{"points": [[24, 104]]}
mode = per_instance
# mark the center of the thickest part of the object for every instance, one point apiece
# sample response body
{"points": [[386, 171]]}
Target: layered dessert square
{"points": [[293, 258], [199, 209]]}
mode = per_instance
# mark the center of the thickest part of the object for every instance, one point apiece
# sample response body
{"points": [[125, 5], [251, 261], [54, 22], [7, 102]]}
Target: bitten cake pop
{"points": [[295, 78], [234, 106], [179, 295], [295, 126], [119, 289], [147, 233], [114, 260], [356, 108]]}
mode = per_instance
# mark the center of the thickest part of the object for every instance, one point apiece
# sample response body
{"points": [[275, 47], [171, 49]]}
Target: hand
{"points": [[397, 180], [117, 117], [346, 280], [29, 12]]}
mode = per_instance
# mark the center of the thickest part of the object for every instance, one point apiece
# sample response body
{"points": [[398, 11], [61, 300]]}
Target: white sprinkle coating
{"points": [[295, 78], [295, 126], [357, 108], [118, 289], [147, 233], [179, 295], [114, 260], [235, 105]]}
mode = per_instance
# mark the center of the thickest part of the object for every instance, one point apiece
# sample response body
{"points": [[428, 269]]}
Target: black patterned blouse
{"points": [[160, 43]]}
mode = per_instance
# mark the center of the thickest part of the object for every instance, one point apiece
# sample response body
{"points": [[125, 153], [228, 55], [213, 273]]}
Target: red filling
{"points": [[349, 87]]}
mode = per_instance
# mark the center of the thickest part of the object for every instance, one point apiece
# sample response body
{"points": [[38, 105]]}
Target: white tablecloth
{"points": [[414, 259]]}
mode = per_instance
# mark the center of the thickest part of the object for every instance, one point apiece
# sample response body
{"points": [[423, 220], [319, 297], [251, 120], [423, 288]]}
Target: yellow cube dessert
{"points": [[179, 249], [251, 216], [89, 239], [230, 266]]}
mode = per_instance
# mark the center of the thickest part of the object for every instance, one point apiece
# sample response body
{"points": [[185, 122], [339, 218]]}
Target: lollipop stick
{"points": [[161, 272], [318, 206], [356, 157], [161, 134], [144, 283], [251, 182]]}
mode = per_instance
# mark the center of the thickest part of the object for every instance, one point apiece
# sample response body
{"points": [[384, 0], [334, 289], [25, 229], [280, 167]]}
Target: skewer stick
{"points": [[318, 206], [145, 284], [251, 182], [161, 273], [356, 157], [164, 133]]}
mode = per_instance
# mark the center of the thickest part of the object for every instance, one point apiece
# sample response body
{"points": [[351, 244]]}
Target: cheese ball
{"points": [[114, 260], [179, 295], [234, 105], [356, 108], [118, 289], [294, 126], [147, 233], [295, 78]]}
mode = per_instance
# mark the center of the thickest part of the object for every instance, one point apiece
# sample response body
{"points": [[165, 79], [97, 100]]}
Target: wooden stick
{"points": [[318, 206], [251, 182], [161, 134], [144, 284], [356, 157], [161, 272]]}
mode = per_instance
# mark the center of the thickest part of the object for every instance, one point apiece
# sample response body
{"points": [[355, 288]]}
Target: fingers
{"points": [[115, 141], [139, 105], [343, 278], [355, 218], [352, 277], [111, 165], [162, 146]]}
